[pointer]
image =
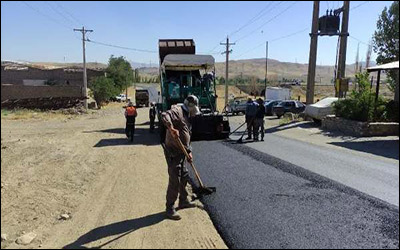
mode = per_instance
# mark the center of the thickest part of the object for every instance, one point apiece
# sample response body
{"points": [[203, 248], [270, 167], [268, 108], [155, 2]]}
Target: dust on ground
{"points": [[84, 166]]}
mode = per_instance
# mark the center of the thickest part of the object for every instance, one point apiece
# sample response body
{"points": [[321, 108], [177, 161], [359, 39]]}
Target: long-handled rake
{"points": [[202, 190]]}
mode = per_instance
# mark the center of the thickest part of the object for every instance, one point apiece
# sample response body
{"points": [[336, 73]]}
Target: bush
{"points": [[361, 104], [103, 89]]}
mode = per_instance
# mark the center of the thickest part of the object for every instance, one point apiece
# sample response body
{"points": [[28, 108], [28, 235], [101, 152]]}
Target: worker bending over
{"points": [[177, 122]]}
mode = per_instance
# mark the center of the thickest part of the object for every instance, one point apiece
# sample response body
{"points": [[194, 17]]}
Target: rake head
{"points": [[203, 191]]}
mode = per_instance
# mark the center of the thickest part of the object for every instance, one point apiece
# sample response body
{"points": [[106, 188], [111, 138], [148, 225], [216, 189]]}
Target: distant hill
{"points": [[245, 68], [276, 70]]}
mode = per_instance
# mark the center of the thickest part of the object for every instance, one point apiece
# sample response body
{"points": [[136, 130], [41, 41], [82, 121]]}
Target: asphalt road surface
{"points": [[263, 201]]}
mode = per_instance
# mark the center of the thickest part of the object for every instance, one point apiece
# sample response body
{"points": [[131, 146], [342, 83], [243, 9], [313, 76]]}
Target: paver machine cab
{"points": [[184, 73]]}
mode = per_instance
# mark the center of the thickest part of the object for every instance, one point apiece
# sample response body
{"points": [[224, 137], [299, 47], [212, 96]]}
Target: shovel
{"points": [[202, 190]]}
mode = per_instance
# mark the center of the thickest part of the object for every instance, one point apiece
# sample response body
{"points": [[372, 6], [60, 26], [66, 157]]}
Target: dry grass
{"points": [[329, 91], [27, 114]]}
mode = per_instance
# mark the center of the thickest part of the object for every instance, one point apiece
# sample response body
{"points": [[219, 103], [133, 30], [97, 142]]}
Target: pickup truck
{"points": [[120, 98]]}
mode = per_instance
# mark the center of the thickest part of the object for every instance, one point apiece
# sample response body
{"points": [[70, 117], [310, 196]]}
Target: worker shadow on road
{"points": [[142, 137], [122, 229]]}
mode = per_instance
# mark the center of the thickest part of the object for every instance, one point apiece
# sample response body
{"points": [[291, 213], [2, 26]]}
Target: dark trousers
{"points": [[152, 119], [259, 125], [178, 179], [250, 121], [130, 125]]}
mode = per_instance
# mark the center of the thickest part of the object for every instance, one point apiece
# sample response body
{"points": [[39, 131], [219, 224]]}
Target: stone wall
{"points": [[19, 92], [360, 129], [60, 76]]}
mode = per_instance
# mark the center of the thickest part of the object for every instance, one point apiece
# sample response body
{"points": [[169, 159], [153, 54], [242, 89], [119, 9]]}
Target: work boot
{"points": [[255, 139], [186, 204], [172, 214], [248, 138], [262, 139]]}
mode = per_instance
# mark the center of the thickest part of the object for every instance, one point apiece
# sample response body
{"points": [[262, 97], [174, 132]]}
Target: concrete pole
{"points": [[83, 30], [313, 55], [227, 51], [343, 43], [84, 69]]}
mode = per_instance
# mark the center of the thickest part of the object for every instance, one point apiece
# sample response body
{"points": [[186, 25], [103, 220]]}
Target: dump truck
{"points": [[184, 73], [142, 97]]}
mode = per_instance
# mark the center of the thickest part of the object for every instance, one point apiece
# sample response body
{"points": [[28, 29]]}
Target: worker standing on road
{"points": [[177, 122], [259, 122], [251, 111], [130, 115], [152, 116]]}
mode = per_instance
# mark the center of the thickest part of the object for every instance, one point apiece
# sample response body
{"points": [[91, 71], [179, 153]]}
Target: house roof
{"points": [[386, 66]]}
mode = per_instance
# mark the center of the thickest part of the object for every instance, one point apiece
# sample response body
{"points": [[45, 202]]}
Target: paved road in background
{"points": [[283, 193]]}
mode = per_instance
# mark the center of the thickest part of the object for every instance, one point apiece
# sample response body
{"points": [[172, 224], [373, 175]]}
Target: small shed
{"points": [[387, 66]]}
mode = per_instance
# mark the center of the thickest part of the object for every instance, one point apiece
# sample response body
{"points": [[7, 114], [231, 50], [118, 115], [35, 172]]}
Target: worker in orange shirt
{"points": [[130, 115]]}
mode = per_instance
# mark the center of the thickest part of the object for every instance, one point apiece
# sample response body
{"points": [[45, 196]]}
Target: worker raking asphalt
{"points": [[265, 202]]}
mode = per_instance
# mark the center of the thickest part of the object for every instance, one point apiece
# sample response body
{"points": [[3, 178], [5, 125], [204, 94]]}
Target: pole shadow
{"points": [[121, 229], [388, 149]]}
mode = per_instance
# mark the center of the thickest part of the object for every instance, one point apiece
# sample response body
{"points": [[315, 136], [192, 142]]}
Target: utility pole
{"points": [[227, 51], [343, 44], [83, 30], [313, 55], [266, 66], [356, 67]]}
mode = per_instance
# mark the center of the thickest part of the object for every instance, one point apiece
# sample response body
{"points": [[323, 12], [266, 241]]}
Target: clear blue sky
{"points": [[29, 35]]}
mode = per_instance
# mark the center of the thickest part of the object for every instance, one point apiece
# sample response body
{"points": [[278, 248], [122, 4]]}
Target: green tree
{"points": [[103, 89], [386, 38], [120, 71], [361, 105]]}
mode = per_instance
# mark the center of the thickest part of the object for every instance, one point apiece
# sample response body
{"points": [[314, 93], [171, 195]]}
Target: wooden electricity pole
{"points": [[313, 55], [83, 30], [343, 44], [227, 51]]}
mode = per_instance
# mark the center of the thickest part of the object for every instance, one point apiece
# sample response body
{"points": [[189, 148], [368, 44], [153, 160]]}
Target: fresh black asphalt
{"points": [[265, 202]]}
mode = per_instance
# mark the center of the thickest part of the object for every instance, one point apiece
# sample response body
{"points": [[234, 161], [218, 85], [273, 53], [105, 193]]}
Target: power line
{"points": [[68, 13], [364, 43], [274, 40], [265, 23], [58, 12], [122, 47], [255, 18], [361, 4], [47, 16], [216, 46], [292, 34]]}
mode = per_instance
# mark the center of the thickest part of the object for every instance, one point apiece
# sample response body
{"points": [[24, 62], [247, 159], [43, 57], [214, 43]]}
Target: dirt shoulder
{"points": [[113, 191]]}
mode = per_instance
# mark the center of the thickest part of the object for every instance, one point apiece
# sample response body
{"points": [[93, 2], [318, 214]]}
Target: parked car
{"points": [[121, 98], [269, 105], [283, 107], [319, 110], [238, 107]]}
